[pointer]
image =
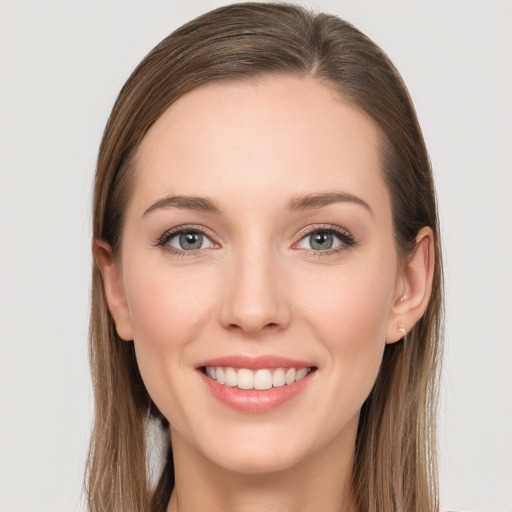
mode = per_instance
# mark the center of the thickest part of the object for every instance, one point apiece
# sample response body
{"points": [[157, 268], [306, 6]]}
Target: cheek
{"points": [[168, 310], [166, 306], [355, 304], [348, 315]]}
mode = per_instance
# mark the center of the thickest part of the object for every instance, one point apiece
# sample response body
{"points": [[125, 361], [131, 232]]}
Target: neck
{"points": [[322, 481]]}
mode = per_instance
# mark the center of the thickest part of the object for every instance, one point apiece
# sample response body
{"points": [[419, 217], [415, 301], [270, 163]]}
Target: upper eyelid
{"points": [[346, 237], [170, 233], [307, 230], [323, 227]]}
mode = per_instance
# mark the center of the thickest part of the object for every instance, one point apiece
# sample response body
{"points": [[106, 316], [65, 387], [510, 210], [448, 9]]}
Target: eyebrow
{"points": [[203, 204], [319, 199], [299, 203]]}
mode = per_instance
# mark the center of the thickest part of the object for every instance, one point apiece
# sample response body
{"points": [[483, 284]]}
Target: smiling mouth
{"points": [[261, 379]]}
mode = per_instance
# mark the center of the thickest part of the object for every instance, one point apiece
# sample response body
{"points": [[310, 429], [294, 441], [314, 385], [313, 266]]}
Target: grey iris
{"points": [[321, 241], [191, 241]]}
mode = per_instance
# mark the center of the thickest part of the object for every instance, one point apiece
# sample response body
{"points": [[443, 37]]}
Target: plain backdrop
{"points": [[62, 64]]}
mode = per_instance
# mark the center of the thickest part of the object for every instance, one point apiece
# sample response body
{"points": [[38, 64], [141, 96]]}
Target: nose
{"points": [[255, 299]]}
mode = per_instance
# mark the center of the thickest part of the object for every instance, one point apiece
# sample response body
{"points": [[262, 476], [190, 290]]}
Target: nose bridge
{"points": [[253, 299]]}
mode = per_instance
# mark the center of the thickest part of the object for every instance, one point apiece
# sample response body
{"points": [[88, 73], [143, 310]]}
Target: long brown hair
{"points": [[395, 463]]}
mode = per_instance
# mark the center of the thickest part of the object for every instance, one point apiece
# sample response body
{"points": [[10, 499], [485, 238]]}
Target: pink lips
{"points": [[251, 400], [253, 363]]}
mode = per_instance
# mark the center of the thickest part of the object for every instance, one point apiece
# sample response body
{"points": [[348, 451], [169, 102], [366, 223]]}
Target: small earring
{"points": [[400, 326]]}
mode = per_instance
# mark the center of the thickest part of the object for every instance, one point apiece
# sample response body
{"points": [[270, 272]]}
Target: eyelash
{"points": [[347, 240], [163, 241]]}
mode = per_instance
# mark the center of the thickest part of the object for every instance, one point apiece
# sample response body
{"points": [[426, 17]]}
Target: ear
{"points": [[413, 289], [114, 290]]}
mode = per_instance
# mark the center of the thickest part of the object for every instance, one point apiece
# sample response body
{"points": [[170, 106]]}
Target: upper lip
{"points": [[254, 363]]}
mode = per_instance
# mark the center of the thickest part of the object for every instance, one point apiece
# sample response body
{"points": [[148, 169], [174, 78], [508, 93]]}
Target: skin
{"points": [[258, 288]]}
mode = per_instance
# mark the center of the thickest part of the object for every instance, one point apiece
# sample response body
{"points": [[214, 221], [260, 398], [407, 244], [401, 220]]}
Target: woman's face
{"points": [[258, 245]]}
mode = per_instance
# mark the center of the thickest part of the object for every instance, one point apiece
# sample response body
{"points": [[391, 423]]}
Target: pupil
{"points": [[321, 241], [191, 241]]}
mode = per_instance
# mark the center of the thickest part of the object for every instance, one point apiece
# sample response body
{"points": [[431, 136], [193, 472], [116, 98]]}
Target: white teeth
{"points": [[261, 379], [245, 379], [301, 374], [230, 377], [278, 378], [290, 376]]}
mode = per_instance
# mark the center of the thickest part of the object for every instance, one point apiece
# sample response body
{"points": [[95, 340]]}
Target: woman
{"points": [[267, 278]]}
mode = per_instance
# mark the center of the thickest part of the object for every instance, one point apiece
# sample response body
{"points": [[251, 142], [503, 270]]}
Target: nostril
{"points": [[271, 326]]}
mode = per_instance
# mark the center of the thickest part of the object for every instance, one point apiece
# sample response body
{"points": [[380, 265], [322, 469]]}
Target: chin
{"points": [[258, 460], [258, 449]]}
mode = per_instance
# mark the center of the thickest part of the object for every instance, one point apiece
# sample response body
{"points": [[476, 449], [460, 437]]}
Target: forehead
{"points": [[274, 136]]}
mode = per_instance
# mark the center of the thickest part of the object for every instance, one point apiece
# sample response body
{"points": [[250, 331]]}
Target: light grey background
{"points": [[61, 66]]}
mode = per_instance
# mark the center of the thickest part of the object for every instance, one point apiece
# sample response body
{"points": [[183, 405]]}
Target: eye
{"points": [[326, 240], [185, 239], [190, 241]]}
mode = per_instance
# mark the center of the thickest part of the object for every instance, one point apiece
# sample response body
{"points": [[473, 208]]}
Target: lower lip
{"points": [[254, 401]]}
